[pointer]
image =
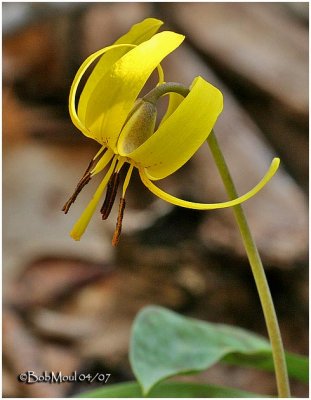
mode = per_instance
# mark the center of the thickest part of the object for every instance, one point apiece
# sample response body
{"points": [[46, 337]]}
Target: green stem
{"points": [[167, 87], [249, 244], [258, 273]]}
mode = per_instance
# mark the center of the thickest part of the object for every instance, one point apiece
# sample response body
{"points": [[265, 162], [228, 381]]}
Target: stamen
{"points": [[80, 226], [117, 232], [127, 179], [82, 182], [102, 162], [102, 149], [120, 164], [111, 193]]}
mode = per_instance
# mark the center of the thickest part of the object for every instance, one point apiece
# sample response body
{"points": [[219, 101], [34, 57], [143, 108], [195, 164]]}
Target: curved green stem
{"points": [[165, 88], [258, 273]]}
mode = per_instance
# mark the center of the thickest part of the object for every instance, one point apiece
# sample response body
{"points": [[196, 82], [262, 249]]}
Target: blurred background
{"points": [[70, 305]]}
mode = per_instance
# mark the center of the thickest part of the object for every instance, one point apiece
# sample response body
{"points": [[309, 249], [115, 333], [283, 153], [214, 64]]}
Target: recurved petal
{"points": [[116, 92], [74, 86], [210, 206], [180, 135], [137, 34]]}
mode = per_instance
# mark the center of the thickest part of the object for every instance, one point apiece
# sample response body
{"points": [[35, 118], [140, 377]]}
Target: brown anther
{"points": [[82, 182], [117, 232], [111, 193]]}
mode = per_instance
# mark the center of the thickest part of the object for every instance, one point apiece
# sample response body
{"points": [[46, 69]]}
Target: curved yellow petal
{"points": [[115, 94], [180, 135], [137, 34], [82, 223], [74, 86], [73, 90], [202, 206]]}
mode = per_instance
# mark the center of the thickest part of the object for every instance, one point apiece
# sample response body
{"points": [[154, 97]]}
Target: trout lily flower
{"points": [[110, 112]]}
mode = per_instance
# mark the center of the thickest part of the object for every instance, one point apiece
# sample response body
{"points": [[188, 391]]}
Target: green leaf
{"points": [[298, 366], [165, 344], [167, 389]]}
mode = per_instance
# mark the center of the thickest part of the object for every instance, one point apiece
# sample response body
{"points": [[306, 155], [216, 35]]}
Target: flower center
{"points": [[141, 121]]}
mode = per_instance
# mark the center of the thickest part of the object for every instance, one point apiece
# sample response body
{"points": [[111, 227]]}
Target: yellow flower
{"points": [[109, 112]]}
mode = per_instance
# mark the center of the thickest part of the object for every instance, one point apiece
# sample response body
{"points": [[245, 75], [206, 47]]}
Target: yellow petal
{"points": [[74, 86], [202, 206], [180, 135], [115, 94], [138, 33], [82, 223]]}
